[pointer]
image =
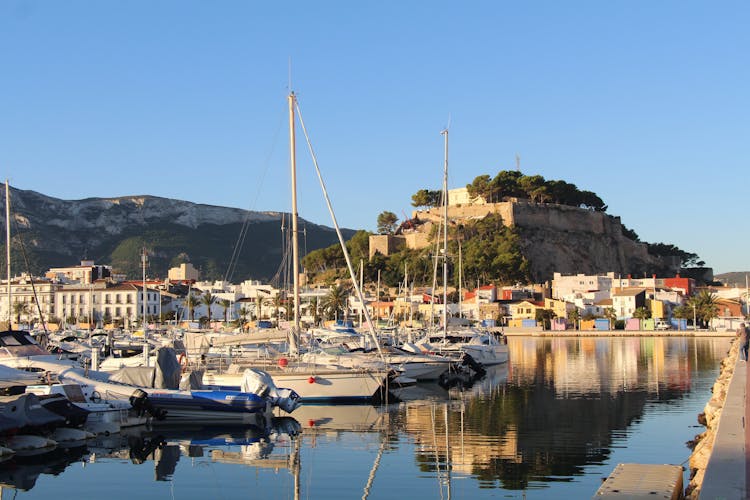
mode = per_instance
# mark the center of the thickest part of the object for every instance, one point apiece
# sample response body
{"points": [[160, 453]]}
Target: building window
{"points": [[118, 300]]}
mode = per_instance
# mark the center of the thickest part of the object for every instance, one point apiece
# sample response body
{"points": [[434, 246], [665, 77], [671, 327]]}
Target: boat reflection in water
{"points": [[246, 445], [549, 424]]}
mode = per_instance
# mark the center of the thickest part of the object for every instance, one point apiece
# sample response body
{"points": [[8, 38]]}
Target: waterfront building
{"points": [[34, 296], [85, 274], [101, 303], [526, 309], [561, 308], [563, 286], [625, 301], [183, 272]]}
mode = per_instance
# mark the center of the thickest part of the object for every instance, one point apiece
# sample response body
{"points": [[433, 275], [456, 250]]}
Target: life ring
{"points": [[95, 397]]}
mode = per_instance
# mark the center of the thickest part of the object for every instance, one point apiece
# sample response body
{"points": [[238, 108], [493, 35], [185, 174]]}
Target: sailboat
{"points": [[482, 347], [312, 381]]}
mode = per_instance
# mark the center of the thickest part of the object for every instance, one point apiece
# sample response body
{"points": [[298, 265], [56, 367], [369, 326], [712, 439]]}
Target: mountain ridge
{"points": [[112, 231]]}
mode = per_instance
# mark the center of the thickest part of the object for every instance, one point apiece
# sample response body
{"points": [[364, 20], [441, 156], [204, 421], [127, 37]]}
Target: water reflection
{"points": [[551, 422]]}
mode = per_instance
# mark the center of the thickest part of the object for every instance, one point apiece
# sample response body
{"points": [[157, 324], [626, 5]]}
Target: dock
{"points": [[642, 481]]}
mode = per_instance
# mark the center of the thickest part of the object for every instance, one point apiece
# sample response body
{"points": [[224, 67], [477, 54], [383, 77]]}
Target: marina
{"points": [[553, 422]]}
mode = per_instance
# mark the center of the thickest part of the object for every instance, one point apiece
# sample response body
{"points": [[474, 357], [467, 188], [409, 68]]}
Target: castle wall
{"points": [[386, 244]]}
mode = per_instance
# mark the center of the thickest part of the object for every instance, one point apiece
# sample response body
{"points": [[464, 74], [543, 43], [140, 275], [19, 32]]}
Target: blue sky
{"points": [[644, 103]]}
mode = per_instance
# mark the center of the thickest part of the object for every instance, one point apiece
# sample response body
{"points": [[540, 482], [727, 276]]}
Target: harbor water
{"points": [[552, 423]]}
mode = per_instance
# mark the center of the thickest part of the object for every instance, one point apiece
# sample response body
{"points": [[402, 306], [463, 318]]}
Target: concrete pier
{"points": [[728, 468]]}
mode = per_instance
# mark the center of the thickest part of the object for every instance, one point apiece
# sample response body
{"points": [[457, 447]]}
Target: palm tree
{"points": [[335, 301], [258, 306], [225, 305], [611, 315], [277, 301], [207, 299], [19, 308], [244, 311], [315, 310], [704, 307], [642, 313], [574, 315], [190, 303]]}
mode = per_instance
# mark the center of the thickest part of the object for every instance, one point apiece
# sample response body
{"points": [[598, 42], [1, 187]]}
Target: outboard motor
{"points": [[142, 405], [261, 383]]}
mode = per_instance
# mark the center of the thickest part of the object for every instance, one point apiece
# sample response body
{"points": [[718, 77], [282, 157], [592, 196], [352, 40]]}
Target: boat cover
{"points": [[10, 377], [165, 375], [25, 411]]}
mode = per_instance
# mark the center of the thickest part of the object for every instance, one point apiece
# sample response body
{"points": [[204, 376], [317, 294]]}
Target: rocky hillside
{"points": [[112, 231], [569, 240]]}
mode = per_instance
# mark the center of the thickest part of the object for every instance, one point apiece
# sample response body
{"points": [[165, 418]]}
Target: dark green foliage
{"points": [[426, 198], [490, 253], [629, 233], [387, 222], [687, 259], [513, 184]]}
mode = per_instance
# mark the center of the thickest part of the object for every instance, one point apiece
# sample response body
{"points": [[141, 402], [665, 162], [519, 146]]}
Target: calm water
{"points": [[551, 424]]}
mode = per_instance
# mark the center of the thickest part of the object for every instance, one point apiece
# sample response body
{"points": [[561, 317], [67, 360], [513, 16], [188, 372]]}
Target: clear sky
{"points": [[644, 103]]}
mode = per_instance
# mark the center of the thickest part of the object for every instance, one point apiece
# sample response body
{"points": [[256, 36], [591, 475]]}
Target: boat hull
{"points": [[317, 385]]}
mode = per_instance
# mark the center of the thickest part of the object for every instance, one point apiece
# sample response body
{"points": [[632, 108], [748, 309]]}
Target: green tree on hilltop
{"points": [[426, 198], [387, 222]]}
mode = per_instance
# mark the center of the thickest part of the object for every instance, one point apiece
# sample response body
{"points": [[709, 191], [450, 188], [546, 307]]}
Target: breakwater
{"points": [[717, 464]]}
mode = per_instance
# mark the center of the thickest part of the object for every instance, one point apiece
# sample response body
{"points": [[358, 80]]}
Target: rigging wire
{"points": [[338, 233], [236, 252], [28, 269]]}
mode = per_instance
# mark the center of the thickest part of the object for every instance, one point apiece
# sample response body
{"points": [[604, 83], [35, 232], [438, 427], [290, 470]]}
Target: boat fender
{"points": [[182, 360], [311, 380], [142, 405]]}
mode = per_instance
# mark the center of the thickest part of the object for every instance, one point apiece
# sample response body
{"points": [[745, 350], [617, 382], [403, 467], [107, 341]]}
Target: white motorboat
{"points": [[154, 391]]}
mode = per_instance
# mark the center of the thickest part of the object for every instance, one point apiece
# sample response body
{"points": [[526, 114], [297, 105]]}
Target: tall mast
{"points": [[7, 247], [144, 259], [295, 240], [445, 235]]}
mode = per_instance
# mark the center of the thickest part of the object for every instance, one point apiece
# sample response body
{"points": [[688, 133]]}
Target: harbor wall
{"points": [[718, 462]]}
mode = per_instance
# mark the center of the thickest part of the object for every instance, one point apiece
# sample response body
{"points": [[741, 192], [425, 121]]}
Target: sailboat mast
{"points": [[295, 239], [445, 234], [7, 247]]}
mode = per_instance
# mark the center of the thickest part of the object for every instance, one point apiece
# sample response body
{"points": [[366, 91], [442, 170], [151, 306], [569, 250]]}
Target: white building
{"points": [[460, 196], [564, 286], [86, 273], [183, 272], [35, 296], [101, 303]]}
